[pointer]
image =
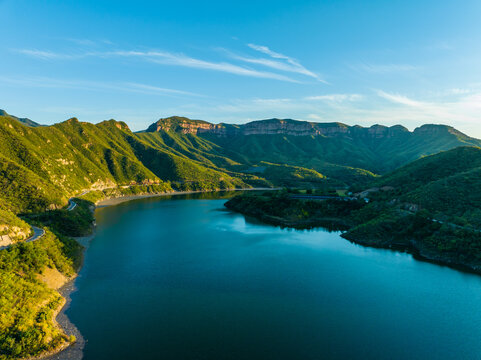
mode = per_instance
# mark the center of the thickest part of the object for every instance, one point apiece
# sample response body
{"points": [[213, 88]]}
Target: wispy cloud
{"points": [[289, 64], [380, 107], [335, 97], [459, 91], [165, 58], [384, 68], [45, 55], [47, 82], [400, 99], [292, 107], [89, 42], [168, 58], [463, 110]]}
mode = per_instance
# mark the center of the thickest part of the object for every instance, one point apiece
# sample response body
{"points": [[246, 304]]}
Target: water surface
{"points": [[181, 278]]}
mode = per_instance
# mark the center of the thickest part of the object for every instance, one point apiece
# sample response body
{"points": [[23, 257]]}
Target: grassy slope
{"points": [[230, 155], [359, 151], [446, 184], [63, 159], [432, 168]]}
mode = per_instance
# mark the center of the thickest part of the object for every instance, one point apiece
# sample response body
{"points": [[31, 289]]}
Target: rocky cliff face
{"points": [[273, 127], [431, 129]]}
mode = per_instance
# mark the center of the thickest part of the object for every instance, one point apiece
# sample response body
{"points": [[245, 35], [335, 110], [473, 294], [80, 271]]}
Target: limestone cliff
{"points": [[273, 127]]}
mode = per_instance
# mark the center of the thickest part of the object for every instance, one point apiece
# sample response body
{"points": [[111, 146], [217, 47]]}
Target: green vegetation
{"points": [[40, 167], [27, 304], [77, 222], [278, 208], [13, 227], [446, 184], [338, 149], [431, 207]]}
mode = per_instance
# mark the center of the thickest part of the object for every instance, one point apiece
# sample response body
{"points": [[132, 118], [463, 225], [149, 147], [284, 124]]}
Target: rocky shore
{"points": [[72, 351]]}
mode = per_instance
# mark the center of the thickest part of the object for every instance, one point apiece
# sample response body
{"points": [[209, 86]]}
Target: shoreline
{"points": [[124, 198], [70, 351], [416, 249], [420, 253], [74, 351]]}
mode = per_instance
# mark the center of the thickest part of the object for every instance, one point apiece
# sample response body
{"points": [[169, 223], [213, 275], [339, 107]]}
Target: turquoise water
{"points": [[181, 278]]}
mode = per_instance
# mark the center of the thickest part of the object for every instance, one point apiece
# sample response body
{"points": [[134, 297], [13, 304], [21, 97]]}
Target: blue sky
{"points": [[357, 62]]}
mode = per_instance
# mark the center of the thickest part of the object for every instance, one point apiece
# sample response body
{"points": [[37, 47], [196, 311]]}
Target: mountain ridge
{"points": [[289, 127], [65, 158], [24, 121]]}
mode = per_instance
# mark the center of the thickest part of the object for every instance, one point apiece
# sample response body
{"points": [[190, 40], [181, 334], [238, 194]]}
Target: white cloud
{"points": [[400, 99], [335, 97], [290, 64], [384, 68], [44, 55], [182, 60], [46, 82], [314, 117], [166, 58], [459, 91]]}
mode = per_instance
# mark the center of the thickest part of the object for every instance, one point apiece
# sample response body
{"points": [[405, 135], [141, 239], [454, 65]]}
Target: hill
{"points": [[432, 168], [23, 121], [446, 184], [323, 147], [42, 166], [431, 207]]}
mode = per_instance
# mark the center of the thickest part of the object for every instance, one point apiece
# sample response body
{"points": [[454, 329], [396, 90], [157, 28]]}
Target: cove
{"points": [[182, 278]]}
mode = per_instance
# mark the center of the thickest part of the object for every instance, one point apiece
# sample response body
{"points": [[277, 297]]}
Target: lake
{"points": [[182, 278]]}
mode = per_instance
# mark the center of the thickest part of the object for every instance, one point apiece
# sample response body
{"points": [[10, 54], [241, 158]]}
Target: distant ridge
{"points": [[74, 155], [24, 121], [329, 148], [292, 127]]}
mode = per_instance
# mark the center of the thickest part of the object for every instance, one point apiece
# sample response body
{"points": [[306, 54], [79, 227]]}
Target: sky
{"points": [[357, 62]]}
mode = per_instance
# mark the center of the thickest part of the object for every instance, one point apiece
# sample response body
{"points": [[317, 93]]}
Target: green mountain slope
{"points": [[23, 121], [346, 153], [447, 184], [431, 207], [41, 167], [432, 168]]}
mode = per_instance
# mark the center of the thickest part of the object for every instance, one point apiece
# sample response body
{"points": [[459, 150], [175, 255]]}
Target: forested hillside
{"points": [[446, 184], [431, 207], [336, 150], [42, 167]]}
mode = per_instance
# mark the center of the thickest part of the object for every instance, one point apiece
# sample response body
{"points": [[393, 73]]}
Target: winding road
{"points": [[39, 232], [71, 204]]}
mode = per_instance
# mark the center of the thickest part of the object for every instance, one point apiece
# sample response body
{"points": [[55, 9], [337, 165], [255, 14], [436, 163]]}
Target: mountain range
{"points": [[329, 148], [42, 166]]}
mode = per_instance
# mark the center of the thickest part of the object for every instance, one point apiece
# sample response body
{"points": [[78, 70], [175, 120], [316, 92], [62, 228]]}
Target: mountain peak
{"points": [[24, 121], [439, 129]]}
